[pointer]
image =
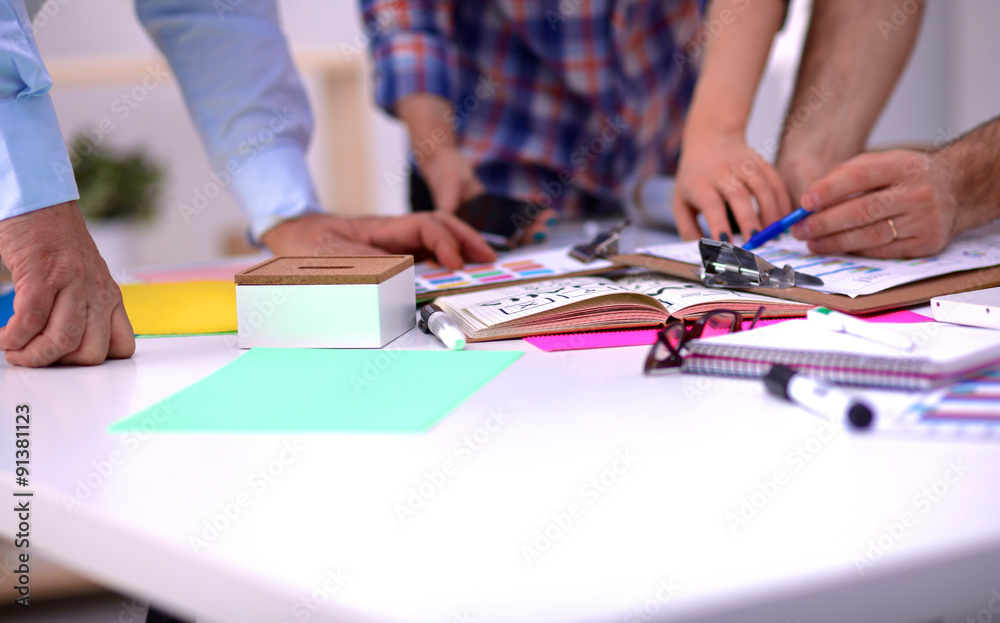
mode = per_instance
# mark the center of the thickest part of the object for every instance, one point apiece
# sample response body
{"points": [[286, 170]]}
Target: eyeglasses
{"points": [[670, 341]]}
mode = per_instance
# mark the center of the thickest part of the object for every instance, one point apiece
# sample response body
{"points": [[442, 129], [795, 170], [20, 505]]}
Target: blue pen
{"points": [[775, 229]]}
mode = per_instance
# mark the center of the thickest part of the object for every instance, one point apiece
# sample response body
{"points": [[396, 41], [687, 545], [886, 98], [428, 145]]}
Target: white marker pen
{"points": [[434, 320], [819, 398], [836, 321]]}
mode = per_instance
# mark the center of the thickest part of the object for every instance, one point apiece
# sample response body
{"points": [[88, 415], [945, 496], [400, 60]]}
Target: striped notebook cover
{"points": [[943, 354]]}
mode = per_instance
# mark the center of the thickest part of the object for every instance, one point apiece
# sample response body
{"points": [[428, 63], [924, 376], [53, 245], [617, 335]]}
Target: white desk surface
{"points": [[651, 544]]}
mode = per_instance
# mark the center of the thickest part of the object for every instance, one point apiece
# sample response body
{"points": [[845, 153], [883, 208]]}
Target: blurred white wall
{"points": [[68, 29], [974, 90], [949, 87]]}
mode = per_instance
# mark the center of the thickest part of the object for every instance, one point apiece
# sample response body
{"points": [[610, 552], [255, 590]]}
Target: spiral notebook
{"points": [[943, 354]]}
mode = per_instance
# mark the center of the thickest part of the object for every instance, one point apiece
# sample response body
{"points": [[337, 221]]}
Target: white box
{"points": [[979, 308], [326, 302]]}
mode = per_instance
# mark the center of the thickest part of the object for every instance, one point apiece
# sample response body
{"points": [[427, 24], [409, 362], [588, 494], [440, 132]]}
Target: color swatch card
{"points": [[306, 390], [967, 410], [512, 268], [856, 276], [976, 399]]}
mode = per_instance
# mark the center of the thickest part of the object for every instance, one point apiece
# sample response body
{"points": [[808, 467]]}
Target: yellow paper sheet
{"points": [[181, 307]]}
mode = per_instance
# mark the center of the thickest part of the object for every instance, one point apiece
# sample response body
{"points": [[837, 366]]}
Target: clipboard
{"points": [[904, 295]]}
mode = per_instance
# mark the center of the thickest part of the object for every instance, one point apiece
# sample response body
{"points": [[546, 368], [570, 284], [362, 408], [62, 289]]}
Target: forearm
{"points": [[734, 60], [972, 164], [247, 101], [854, 53], [450, 176], [429, 121], [35, 170]]}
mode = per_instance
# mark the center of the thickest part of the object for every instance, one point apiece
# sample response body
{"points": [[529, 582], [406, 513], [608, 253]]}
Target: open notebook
{"points": [[596, 304], [944, 353]]}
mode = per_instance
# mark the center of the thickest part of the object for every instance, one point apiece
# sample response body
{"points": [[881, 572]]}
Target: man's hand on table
{"points": [[906, 203], [889, 204], [67, 308], [435, 235]]}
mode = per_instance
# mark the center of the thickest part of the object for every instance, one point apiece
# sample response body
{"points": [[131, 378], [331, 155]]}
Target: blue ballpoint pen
{"points": [[775, 229]]}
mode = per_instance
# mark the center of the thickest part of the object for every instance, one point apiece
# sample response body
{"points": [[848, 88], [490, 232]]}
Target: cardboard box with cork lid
{"points": [[326, 302]]}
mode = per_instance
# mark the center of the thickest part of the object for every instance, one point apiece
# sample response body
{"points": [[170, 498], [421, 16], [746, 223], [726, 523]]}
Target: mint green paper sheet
{"points": [[292, 390]]}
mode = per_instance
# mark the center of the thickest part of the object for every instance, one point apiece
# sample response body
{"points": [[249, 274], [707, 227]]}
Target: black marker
{"points": [[817, 397]]}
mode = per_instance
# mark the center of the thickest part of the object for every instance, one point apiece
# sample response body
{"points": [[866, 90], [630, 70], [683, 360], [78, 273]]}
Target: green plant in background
{"points": [[122, 186]]}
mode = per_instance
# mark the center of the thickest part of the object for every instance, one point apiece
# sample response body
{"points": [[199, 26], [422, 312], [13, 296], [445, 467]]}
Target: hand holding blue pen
{"points": [[775, 229]]}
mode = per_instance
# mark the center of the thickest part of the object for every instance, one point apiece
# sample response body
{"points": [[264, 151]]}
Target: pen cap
{"points": [[860, 415], [826, 318], [777, 380], [427, 310]]}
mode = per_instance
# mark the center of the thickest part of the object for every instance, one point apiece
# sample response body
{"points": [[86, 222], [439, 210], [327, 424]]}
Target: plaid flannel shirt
{"points": [[550, 97]]}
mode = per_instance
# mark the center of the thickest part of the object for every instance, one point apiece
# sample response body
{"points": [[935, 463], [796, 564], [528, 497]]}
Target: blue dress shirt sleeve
{"points": [[241, 88], [35, 170]]}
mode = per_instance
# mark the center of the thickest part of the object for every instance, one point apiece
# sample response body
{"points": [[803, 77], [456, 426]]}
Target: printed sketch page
{"points": [[855, 275], [678, 295], [500, 305]]}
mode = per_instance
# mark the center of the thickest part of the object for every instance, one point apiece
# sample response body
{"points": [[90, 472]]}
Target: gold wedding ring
{"points": [[892, 226]]}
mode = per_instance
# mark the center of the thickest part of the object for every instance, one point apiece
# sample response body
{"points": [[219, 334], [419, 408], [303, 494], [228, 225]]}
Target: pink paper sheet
{"points": [[900, 316], [645, 337], [602, 339]]}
